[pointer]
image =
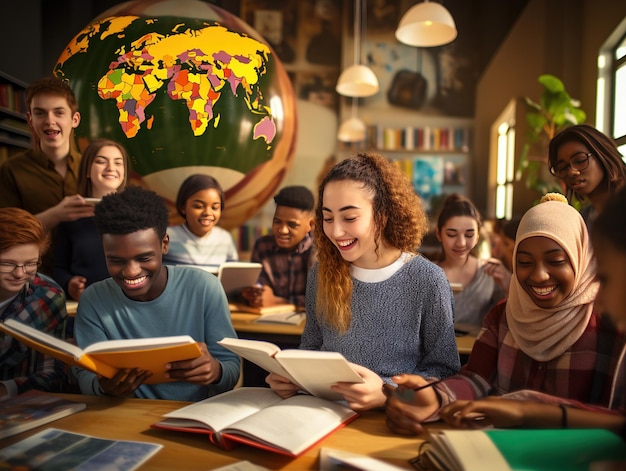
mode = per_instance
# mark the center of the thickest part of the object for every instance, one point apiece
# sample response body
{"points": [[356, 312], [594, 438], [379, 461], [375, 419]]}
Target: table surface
{"points": [[243, 322], [131, 419]]}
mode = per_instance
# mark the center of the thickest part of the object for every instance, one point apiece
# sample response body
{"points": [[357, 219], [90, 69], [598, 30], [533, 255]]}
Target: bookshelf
{"points": [[14, 130], [435, 158]]}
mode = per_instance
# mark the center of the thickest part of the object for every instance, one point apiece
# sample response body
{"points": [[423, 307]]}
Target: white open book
{"points": [[312, 370], [261, 418]]}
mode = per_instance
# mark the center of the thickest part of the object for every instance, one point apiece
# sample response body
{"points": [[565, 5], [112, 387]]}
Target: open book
{"points": [[523, 449], [106, 358], [32, 409], [312, 370], [261, 418]]}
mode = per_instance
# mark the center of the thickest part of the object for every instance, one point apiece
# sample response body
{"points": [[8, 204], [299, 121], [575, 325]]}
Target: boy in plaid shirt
{"points": [[31, 298], [286, 254]]}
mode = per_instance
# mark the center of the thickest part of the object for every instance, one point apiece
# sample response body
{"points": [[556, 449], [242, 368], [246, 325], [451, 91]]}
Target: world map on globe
{"points": [[156, 60], [185, 95]]}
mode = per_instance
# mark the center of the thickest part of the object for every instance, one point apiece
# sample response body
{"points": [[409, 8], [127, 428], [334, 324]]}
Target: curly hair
{"points": [[131, 210], [51, 86], [85, 186], [399, 220], [193, 184], [601, 146], [19, 227]]}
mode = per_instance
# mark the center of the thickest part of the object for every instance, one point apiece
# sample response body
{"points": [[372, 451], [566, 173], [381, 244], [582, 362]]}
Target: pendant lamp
{"points": [[352, 129], [426, 24], [357, 80]]}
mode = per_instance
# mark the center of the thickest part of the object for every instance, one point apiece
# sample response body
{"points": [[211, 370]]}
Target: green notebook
{"points": [[524, 449]]}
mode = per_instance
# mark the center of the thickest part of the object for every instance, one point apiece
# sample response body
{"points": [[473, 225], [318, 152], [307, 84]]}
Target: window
{"points": [[611, 87], [503, 141]]}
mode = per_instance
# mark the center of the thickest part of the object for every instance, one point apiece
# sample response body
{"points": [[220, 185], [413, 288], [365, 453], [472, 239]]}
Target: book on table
{"points": [[32, 409], [59, 449], [524, 449], [107, 357], [313, 371], [261, 418], [263, 310]]}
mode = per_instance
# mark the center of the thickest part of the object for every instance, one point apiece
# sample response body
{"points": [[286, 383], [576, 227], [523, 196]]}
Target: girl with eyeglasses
{"points": [[31, 298], [589, 165]]}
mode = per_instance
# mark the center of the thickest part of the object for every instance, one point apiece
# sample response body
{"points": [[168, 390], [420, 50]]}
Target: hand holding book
{"points": [[109, 357]]}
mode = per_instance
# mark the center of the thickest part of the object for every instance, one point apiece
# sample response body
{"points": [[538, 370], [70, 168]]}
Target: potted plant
{"points": [[555, 111]]}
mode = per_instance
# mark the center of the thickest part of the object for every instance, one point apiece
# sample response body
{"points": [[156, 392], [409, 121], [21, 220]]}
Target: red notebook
{"points": [[259, 417]]}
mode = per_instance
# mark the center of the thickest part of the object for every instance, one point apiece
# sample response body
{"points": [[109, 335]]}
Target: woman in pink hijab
{"points": [[545, 339]]}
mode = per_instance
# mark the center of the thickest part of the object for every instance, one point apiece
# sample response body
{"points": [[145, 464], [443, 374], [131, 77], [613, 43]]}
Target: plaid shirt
{"points": [[40, 304], [285, 271], [497, 365]]}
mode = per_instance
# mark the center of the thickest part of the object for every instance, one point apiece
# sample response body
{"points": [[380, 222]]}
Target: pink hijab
{"points": [[544, 334]]}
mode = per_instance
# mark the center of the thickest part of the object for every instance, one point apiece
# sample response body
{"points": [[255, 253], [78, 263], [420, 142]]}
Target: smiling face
{"points": [[12, 283], [586, 181], [544, 271], [134, 262], [202, 211], [348, 222], [458, 236], [107, 171], [52, 121], [290, 226]]}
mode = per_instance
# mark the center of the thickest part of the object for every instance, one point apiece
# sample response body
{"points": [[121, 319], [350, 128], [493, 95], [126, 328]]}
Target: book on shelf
{"points": [[524, 449], [261, 418], [59, 449], [107, 357], [263, 310], [313, 371], [32, 409]]}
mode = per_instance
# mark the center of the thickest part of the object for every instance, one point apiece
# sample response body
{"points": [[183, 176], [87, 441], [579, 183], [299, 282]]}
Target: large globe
{"points": [[187, 88]]}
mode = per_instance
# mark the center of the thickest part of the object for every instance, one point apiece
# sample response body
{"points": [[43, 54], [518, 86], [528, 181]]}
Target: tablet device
{"points": [[237, 275]]}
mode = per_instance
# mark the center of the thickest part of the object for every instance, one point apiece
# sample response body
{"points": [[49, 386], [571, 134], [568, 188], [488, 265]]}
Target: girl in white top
{"points": [[477, 284], [199, 241]]}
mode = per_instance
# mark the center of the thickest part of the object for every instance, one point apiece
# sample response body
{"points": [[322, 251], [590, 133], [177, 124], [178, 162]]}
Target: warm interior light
{"points": [[357, 80], [352, 130], [426, 24]]}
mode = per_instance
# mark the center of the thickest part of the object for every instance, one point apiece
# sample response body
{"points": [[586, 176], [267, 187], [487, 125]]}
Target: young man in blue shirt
{"points": [[143, 298]]}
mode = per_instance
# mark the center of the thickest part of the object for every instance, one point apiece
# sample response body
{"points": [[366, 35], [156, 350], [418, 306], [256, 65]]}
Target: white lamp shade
{"points": [[352, 130], [426, 24], [357, 81]]}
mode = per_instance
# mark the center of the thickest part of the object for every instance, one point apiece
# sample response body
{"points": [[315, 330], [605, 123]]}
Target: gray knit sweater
{"points": [[401, 325]]}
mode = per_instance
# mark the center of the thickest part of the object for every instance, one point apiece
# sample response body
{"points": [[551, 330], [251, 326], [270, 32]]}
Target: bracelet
{"points": [[563, 415]]}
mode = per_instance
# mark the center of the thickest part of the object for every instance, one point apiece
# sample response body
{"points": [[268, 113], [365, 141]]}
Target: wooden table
{"points": [[246, 327], [286, 335], [130, 419]]}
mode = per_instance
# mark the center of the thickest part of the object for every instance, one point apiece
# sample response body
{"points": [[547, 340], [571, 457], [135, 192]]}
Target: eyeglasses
{"points": [[578, 162], [29, 268]]}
